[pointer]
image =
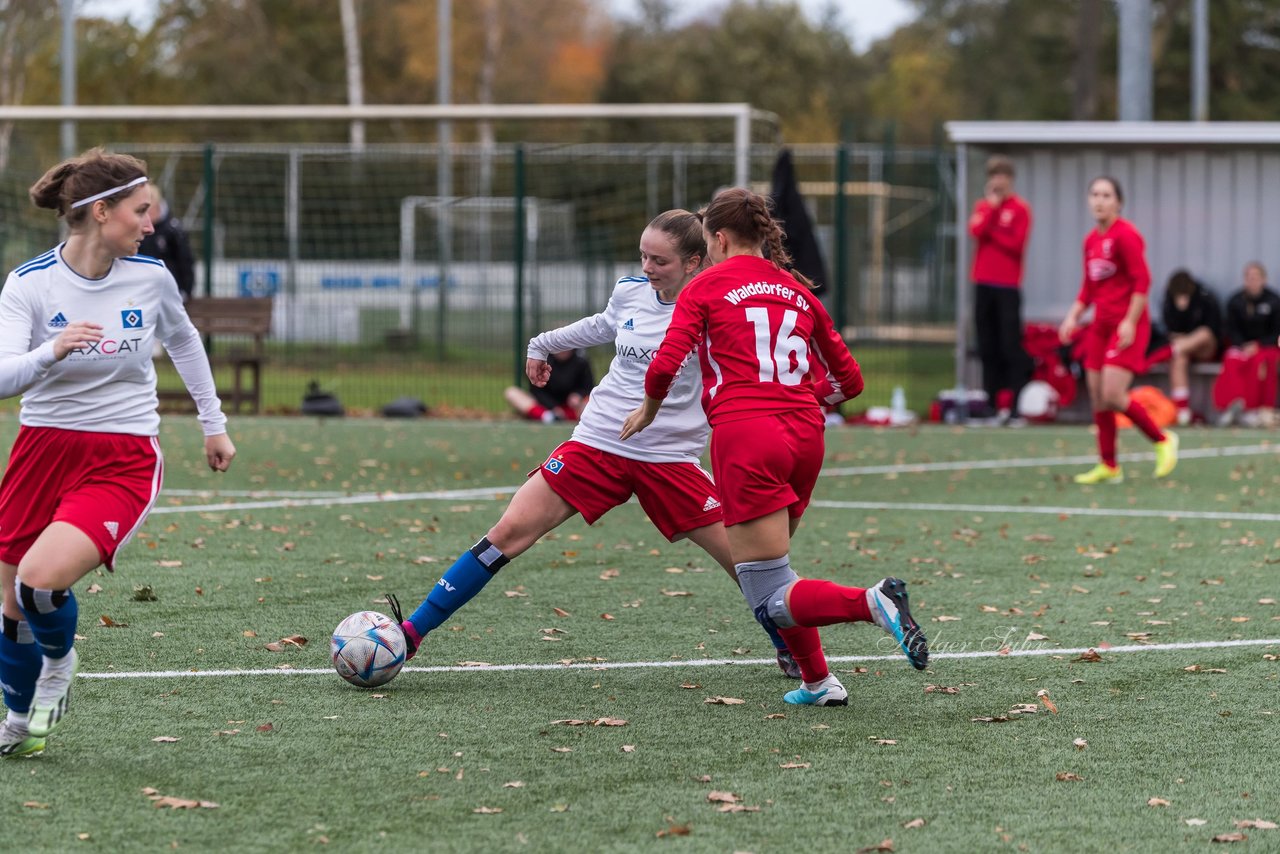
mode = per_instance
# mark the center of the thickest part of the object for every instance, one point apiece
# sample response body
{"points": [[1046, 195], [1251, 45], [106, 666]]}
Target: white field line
{"points": [[699, 662], [328, 499], [1006, 509], [1036, 462]]}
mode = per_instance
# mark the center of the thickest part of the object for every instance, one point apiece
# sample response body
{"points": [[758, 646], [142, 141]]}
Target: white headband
{"points": [[135, 182]]}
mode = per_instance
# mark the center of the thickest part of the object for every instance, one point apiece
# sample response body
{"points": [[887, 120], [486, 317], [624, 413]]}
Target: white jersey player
{"points": [[594, 472], [78, 326]]}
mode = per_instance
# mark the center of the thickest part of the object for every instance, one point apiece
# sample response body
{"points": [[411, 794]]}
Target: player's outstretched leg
{"points": [[459, 584], [891, 611]]}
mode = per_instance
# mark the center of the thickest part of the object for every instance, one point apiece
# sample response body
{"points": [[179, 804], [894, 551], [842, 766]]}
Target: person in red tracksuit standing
{"points": [[1116, 282], [770, 357], [1000, 225]]}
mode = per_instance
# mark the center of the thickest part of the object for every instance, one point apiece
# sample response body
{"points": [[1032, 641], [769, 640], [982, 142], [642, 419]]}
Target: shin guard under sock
{"points": [[52, 616], [460, 582], [20, 662], [821, 603], [806, 648]]}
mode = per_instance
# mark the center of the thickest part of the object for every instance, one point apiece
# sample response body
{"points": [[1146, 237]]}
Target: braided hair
{"points": [[748, 216]]}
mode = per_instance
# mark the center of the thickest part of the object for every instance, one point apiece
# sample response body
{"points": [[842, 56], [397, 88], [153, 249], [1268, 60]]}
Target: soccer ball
{"points": [[368, 649]]}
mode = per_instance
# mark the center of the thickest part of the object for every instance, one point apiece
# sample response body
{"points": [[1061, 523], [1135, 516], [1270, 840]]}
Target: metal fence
{"points": [[384, 286]]}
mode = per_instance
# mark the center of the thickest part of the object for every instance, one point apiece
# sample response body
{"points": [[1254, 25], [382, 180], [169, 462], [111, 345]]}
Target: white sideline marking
{"points": [[327, 499], [1036, 462], [1171, 515], [699, 662]]}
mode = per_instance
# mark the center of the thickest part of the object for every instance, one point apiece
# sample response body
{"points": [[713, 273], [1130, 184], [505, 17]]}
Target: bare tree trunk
{"points": [[13, 75], [1084, 105]]}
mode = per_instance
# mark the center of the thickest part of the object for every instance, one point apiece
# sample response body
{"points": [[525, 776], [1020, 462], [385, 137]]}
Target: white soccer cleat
{"points": [[53, 693], [890, 611]]}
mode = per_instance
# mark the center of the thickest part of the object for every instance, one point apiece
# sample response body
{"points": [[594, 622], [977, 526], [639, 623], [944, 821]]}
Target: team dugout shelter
{"points": [[1205, 195]]}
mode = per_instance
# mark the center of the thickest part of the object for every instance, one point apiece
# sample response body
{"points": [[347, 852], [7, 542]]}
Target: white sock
{"points": [[17, 720]]}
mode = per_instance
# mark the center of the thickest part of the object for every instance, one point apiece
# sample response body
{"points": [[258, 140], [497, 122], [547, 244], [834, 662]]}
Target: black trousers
{"points": [[997, 316]]}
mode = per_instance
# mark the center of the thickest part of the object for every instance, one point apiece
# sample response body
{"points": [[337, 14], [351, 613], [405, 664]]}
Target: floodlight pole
{"points": [[1135, 60], [1200, 61], [444, 166], [355, 79]]}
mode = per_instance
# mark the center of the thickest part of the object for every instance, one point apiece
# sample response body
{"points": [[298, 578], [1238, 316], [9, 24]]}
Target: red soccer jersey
{"points": [[1115, 268], [1001, 233], [763, 340]]}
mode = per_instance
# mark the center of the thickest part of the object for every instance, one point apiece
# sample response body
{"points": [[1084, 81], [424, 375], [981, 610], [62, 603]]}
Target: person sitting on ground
{"points": [[1247, 384], [1193, 321], [564, 395]]}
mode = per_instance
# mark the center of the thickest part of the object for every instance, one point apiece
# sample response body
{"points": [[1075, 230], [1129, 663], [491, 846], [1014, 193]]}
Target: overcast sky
{"points": [[867, 20]]}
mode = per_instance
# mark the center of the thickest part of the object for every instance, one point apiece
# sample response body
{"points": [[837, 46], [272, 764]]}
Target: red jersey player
{"points": [[768, 350], [1116, 281]]}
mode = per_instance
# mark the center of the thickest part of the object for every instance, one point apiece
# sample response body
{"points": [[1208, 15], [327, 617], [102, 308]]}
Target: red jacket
{"points": [[1001, 233]]}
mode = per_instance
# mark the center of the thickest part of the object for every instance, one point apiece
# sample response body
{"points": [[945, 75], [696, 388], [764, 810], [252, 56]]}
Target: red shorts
{"points": [[102, 483], [677, 497], [764, 464], [1100, 347]]}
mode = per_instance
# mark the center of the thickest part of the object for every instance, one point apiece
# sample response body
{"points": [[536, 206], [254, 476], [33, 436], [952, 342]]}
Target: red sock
{"points": [[821, 603], [1158, 355], [1142, 420], [1106, 421], [536, 412], [1181, 398], [806, 649]]}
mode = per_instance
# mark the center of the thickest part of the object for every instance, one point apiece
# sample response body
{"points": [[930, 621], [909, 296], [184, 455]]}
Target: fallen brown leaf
{"points": [[675, 830], [561, 612], [724, 701], [1068, 777], [737, 808], [1257, 824], [940, 689], [1157, 802], [885, 845], [1080, 744], [1089, 655], [108, 623], [1230, 837], [165, 739], [914, 823], [723, 797], [487, 810], [789, 765], [35, 805], [296, 641]]}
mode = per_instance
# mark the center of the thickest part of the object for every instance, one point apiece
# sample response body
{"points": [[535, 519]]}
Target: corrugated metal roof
{"points": [[1114, 133]]}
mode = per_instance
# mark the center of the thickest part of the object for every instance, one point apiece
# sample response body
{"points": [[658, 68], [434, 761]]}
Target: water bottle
{"points": [[898, 403]]}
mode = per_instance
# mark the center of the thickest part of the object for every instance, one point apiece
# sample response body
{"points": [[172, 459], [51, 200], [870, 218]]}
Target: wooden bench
{"points": [[235, 330]]}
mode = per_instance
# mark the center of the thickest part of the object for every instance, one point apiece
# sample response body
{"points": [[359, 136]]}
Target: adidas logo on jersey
{"points": [[113, 528], [59, 321], [711, 504], [630, 325]]}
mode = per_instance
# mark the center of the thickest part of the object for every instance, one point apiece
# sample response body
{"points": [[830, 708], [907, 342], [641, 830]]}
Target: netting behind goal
{"points": [[385, 286]]}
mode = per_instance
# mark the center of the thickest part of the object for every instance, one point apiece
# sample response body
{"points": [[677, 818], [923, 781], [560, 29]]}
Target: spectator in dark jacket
{"points": [[1248, 378], [1193, 321], [564, 395], [169, 243]]}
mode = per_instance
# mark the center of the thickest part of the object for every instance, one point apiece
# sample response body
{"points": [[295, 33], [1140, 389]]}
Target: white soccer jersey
{"points": [[635, 320], [108, 386]]}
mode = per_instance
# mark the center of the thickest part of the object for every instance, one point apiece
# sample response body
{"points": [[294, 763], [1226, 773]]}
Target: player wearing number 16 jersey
{"points": [[768, 353]]}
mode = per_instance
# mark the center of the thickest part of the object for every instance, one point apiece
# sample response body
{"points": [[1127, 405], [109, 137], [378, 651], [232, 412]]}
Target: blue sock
{"points": [[468, 575], [778, 643], [20, 663], [52, 615]]}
